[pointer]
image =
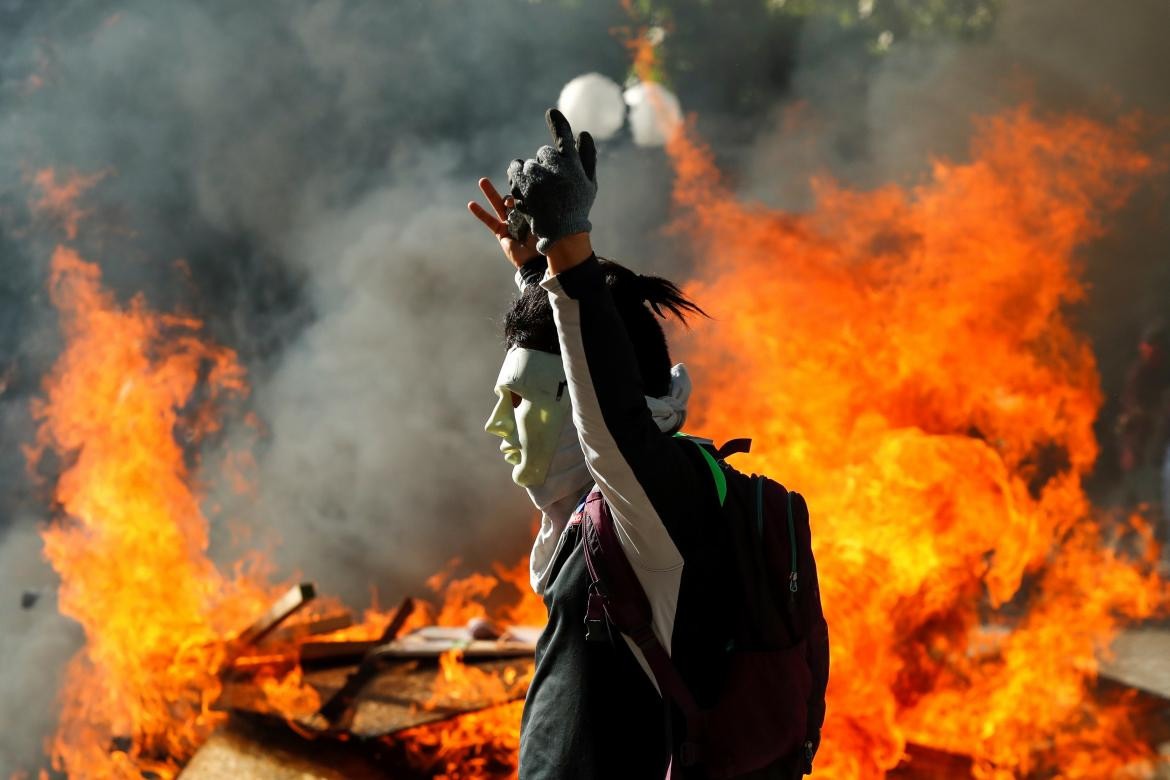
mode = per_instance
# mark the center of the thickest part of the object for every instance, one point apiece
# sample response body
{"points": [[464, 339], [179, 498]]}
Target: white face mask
{"points": [[531, 413]]}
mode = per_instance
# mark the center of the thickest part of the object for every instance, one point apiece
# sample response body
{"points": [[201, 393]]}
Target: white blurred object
{"points": [[594, 103], [655, 113]]}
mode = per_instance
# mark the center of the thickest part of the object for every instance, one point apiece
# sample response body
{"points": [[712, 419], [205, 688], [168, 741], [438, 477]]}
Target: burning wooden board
{"points": [[403, 696], [252, 750], [1140, 658], [422, 644], [284, 608], [408, 695], [407, 689], [257, 744], [247, 753]]}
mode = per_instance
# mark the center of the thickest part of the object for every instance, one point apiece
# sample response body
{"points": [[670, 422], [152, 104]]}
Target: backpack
{"points": [[772, 704]]}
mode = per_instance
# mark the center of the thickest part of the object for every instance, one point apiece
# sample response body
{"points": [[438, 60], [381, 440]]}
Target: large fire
{"points": [[902, 357], [130, 538]]}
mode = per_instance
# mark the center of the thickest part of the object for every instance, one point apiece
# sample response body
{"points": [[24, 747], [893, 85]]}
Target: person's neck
{"points": [[559, 504], [555, 514], [564, 507]]}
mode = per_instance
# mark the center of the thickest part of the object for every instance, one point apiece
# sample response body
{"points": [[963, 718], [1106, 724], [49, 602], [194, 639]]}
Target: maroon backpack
{"points": [[772, 704]]}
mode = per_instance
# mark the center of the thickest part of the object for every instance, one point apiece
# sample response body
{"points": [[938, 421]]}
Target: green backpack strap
{"points": [[716, 471]]}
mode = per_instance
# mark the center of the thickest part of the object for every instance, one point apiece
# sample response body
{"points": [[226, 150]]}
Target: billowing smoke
{"points": [[308, 165]]}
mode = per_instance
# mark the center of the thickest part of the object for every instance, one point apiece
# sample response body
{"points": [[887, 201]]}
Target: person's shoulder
{"points": [[710, 471]]}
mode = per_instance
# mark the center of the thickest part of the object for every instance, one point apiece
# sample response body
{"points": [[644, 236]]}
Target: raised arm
{"points": [[650, 479]]}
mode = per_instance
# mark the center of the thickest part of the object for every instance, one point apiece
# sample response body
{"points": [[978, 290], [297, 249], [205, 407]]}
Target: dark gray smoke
{"points": [[310, 163]]}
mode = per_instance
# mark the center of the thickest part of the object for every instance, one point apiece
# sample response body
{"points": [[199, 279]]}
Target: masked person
{"points": [[587, 396]]}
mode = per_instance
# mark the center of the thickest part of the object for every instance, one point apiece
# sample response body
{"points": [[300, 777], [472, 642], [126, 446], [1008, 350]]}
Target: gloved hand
{"points": [[555, 191]]}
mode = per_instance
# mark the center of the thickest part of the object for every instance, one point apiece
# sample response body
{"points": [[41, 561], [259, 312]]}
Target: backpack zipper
{"points": [[792, 578]]}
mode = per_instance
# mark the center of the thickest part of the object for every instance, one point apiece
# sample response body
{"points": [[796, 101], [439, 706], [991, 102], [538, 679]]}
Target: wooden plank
{"points": [[326, 624], [283, 608], [321, 655], [338, 710], [394, 627], [245, 665], [403, 697], [1140, 658], [428, 642], [252, 748], [477, 649], [924, 763], [400, 697]]}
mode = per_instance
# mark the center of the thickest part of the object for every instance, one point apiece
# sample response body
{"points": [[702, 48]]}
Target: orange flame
{"points": [[287, 694], [485, 743], [458, 682], [130, 543], [902, 358]]}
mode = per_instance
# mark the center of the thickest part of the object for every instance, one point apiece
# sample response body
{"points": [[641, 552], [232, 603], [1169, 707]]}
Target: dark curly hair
{"points": [[529, 324]]}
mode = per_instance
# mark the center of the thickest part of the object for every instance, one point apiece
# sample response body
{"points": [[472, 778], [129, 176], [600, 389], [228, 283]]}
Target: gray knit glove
{"points": [[555, 191]]}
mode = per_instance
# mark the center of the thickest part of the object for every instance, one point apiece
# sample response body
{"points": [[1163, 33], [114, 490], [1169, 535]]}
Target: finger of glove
{"points": [[526, 183], [534, 173], [549, 157], [560, 130], [588, 152], [515, 169], [523, 176]]}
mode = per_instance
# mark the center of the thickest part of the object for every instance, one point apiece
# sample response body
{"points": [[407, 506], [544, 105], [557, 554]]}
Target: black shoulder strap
{"points": [[732, 447], [793, 623], [615, 588]]}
